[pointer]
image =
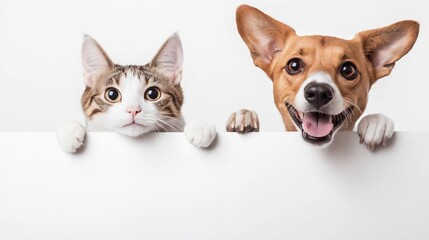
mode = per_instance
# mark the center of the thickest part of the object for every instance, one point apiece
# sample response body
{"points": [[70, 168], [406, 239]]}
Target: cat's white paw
{"points": [[243, 121], [200, 133], [70, 136], [375, 129]]}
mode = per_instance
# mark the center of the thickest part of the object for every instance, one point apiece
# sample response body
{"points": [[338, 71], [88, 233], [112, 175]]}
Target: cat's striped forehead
{"points": [[142, 73]]}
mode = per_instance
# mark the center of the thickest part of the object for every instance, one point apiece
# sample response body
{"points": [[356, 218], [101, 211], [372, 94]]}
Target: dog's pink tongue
{"points": [[317, 125]]}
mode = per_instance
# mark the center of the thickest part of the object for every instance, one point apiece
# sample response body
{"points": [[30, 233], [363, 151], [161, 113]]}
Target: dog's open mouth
{"points": [[317, 127]]}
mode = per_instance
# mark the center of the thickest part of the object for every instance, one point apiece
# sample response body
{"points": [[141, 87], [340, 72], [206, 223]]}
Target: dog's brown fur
{"points": [[272, 44]]}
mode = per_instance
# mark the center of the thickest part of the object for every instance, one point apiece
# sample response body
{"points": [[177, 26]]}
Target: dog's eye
{"points": [[294, 66], [112, 95], [152, 94], [348, 71]]}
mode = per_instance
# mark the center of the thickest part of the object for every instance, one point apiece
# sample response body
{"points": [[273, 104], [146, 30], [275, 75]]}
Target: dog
{"points": [[321, 83]]}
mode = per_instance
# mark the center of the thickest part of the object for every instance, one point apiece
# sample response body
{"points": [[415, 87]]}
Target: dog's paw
{"points": [[243, 121], [200, 133], [70, 136], [375, 129]]}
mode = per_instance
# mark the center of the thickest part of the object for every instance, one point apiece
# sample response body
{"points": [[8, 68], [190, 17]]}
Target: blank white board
{"points": [[256, 186]]}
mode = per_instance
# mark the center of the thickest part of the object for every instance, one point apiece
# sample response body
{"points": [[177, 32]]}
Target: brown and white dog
{"points": [[321, 83]]}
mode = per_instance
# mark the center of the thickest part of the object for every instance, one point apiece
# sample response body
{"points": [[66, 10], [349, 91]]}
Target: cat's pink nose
{"points": [[134, 110]]}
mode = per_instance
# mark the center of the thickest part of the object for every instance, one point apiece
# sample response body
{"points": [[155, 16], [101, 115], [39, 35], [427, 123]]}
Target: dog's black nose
{"points": [[318, 94]]}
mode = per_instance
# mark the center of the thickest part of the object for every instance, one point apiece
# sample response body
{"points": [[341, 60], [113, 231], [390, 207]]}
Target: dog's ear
{"points": [[265, 36], [384, 46]]}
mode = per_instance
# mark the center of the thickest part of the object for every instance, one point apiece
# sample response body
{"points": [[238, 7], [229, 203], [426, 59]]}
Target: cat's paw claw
{"points": [[243, 121], [70, 136], [200, 133], [375, 129]]}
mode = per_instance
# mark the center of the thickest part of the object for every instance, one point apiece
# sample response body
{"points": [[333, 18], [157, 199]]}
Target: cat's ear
{"points": [[169, 59], [94, 60]]}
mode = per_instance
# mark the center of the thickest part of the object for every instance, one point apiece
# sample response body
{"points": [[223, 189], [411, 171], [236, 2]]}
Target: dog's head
{"points": [[321, 83]]}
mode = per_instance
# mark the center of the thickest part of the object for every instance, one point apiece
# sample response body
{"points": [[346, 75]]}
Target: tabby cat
{"points": [[133, 99]]}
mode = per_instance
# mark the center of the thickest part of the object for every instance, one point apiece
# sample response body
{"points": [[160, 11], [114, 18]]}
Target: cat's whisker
{"points": [[175, 126], [170, 116], [177, 122], [160, 125], [171, 124], [174, 123]]}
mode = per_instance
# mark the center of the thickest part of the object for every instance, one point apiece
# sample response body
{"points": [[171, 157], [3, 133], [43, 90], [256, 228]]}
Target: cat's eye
{"points": [[152, 94], [349, 71], [112, 95], [294, 66]]}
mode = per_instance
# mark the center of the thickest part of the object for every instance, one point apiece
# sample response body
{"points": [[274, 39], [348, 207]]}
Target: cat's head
{"points": [[132, 99]]}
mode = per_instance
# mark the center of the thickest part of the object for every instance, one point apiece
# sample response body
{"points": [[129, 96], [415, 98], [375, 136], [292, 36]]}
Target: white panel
{"points": [[258, 186]]}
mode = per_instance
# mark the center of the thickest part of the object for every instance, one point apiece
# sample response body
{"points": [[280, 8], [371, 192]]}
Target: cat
{"points": [[133, 99]]}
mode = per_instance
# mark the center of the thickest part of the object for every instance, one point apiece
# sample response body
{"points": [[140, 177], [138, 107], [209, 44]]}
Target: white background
{"points": [[41, 76]]}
